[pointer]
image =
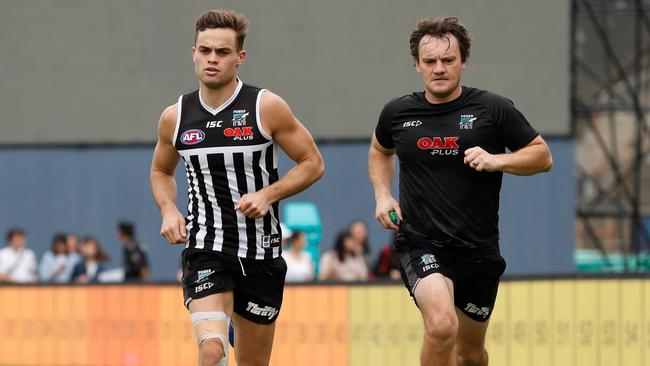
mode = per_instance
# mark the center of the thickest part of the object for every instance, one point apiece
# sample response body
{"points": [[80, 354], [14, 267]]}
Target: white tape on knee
{"points": [[212, 325]]}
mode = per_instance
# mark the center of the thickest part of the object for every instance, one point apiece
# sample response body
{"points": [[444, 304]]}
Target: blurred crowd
{"points": [[349, 259], [71, 259]]}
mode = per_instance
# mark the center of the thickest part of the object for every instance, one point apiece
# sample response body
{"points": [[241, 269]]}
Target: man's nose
{"points": [[212, 57], [438, 68]]}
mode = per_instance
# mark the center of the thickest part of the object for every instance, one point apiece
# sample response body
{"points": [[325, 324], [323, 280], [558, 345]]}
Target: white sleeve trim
{"points": [[259, 117], [178, 120]]}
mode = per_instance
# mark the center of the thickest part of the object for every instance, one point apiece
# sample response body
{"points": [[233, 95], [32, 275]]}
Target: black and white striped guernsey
{"points": [[227, 154]]}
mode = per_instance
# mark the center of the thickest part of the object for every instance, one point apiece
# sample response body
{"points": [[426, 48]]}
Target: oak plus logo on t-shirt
{"points": [[437, 145]]}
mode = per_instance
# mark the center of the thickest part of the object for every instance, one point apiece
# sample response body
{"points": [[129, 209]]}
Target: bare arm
{"points": [[531, 159], [297, 143], [381, 168], [163, 184]]}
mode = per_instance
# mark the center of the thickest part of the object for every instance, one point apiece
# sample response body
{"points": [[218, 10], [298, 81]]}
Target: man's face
{"points": [[440, 66], [216, 57], [18, 241]]}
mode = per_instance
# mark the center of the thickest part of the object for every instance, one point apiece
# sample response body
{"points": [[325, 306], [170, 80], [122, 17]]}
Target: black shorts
{"points": [[257, 285], [475, 272]]}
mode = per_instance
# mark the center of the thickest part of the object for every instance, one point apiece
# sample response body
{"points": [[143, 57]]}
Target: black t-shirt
{"points": [[440, 197], [135, 260]]}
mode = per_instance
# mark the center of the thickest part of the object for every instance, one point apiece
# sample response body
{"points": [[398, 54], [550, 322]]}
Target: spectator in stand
{"points": [[300, 265], [359, 232], [387, 265], [286, 235], [136, 265], [345, 261], [73, 254], [17, 263], [91, 265], [53, 263]]}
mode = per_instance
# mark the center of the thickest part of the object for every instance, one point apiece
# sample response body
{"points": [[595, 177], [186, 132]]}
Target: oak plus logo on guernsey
{"points": [[239, 133], [437, 145], [192, 137]]}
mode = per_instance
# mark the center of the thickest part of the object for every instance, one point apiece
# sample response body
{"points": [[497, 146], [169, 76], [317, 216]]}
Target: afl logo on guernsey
{"points": [[192, 137]]}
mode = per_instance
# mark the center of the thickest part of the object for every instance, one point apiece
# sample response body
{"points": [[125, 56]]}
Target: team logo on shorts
{"points": [[203, 275], [203, 286], [483, 311], [239, 117], [192, 137], [466, 121], [267, 311], [428, 261]]}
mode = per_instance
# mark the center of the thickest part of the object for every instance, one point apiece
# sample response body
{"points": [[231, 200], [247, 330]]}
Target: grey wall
{"points": [[87, 190], [87, 71]]}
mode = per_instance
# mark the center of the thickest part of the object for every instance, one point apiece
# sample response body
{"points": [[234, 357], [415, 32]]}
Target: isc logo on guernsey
{"points": [[192, 137], [440, 145]]}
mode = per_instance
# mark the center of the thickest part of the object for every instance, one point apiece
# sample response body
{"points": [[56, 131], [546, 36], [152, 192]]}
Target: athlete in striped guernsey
{"points": [[227, 133]]}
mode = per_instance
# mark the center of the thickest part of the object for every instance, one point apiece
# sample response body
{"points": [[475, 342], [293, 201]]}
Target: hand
{"points": [[173, 227], [384, 206], [6, 278], [253, 205], [82, 279], [481, 160], [58, 270]]}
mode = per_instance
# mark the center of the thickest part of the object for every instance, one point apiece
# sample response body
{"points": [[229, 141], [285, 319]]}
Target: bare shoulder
{"points": [[275, 112], [271, 101], [167, 122], [169, 115]]}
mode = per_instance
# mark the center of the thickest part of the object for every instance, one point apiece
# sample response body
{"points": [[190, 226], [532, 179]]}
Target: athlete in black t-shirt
{"points": [[227, 133], [451, 142]]}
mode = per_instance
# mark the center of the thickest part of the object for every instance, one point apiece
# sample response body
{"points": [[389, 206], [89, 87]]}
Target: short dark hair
{"points": [[13, 232], [222, 18], [296, 234], [126, 228], [58, 238], [440, 28]]}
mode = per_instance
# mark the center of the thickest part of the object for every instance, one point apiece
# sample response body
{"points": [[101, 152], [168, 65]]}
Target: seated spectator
{"points": [[17, 263], [387, 265], [286, 235], [345, 262], [53, 263], [92, 261], [136, 265], [359, 232], [74, 256], [300, 266]]}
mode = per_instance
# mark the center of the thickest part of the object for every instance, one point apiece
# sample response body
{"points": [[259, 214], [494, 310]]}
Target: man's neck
{"points": [[214, 97], [15, 248], [444, 99]]}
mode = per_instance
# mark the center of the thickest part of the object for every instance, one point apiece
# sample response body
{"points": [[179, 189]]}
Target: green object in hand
{"points": [[393, 217]]}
